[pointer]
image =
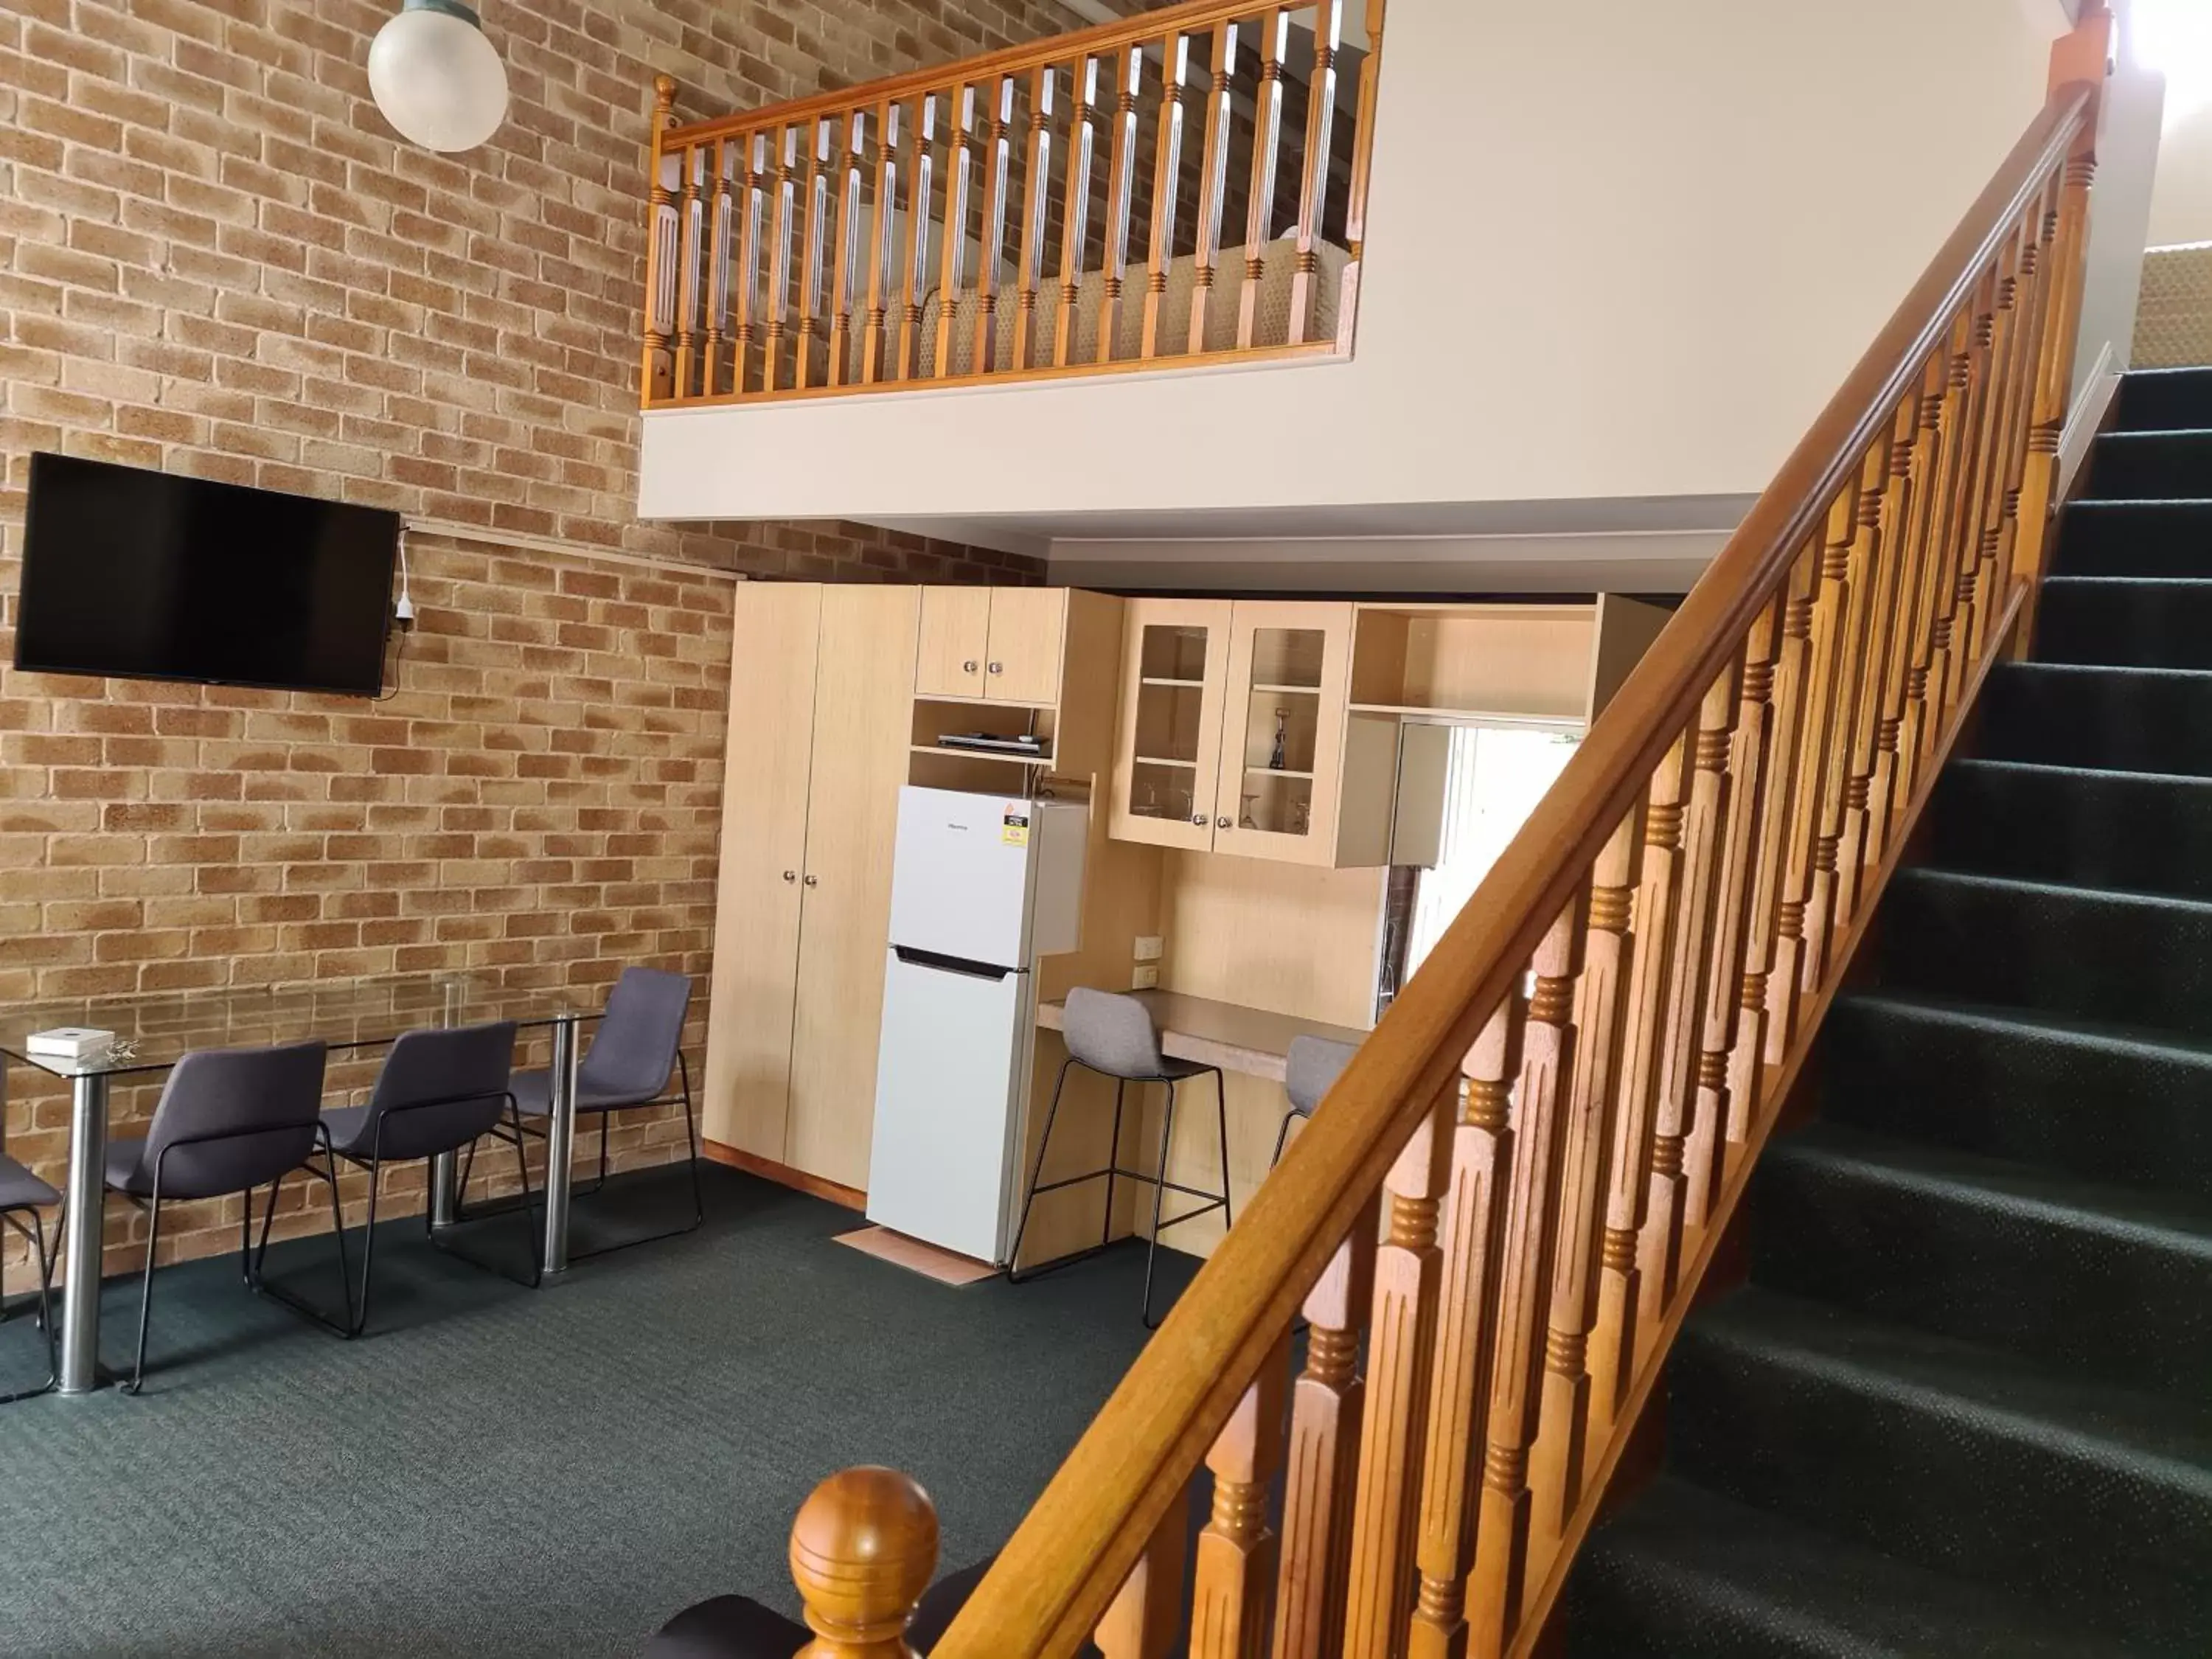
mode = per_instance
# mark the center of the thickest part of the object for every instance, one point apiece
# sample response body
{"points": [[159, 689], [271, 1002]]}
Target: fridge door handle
{"points": [[917, 958]]}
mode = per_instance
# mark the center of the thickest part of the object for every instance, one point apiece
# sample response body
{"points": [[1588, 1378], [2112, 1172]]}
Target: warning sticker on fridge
{"points": [[1014, 828]]}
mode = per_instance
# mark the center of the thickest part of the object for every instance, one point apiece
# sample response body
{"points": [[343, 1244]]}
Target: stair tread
{"points": [[2169, 1220], [2020, 1398], [1795, 1590], [2167, 1044], [2092, 891]]}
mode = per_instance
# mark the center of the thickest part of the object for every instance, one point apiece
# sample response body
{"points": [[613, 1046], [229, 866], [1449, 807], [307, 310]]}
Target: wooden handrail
{"points": [[1971, 356], [759, 224]]}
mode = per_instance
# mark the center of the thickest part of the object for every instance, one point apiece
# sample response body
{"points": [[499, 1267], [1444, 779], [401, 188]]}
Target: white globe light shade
{"points": [[436, 78]]}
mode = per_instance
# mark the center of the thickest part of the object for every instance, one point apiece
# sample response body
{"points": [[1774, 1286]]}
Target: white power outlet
{"points": [[1144, 978], [1149, 946]]}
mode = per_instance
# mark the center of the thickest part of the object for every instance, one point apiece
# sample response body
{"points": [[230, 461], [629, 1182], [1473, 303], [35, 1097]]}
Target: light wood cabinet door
{"points": [[955, 642], [864, 689], [746, 1103], [1167, 748], [1028, 625], [1282, 731]]}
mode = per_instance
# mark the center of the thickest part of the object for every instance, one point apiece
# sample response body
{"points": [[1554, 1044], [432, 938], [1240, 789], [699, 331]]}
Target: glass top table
{"points": [[152, 1033]]}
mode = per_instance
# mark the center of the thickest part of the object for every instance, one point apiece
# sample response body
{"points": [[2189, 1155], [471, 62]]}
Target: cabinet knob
{"points": [[1223, 823], [1199, 818], [814, 881], [790, 875], [998, 668], [967, 667]]}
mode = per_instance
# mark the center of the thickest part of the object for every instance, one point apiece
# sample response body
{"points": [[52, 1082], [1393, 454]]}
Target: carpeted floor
{"points": [[493, 1471]]}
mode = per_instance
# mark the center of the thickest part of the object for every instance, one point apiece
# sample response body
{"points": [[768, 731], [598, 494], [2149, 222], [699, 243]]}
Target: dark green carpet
{"points": [[1963, 1409], [495, 1472]]}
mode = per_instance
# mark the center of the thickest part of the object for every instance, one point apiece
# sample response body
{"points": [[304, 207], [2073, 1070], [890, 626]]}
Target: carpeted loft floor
{"points": [[491, 1472]]}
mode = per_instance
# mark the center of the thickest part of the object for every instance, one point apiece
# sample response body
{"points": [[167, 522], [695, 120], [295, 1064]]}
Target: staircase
{"points": [[1963, 1406]]}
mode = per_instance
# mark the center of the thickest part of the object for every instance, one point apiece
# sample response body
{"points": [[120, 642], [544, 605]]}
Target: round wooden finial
{"points": [[863, 1549], [664, 98]]}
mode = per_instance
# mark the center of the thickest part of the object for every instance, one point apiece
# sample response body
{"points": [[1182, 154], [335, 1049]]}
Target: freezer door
{"points": [[954, 1042], [960, 879]]}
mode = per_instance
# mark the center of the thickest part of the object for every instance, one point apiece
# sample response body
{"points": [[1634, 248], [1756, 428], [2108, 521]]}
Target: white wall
{"points": [[2181, 205], [1616, 249]]}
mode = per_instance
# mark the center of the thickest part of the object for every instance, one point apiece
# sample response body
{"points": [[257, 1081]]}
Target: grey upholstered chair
{"points": [[638, 1044], [437, 1092], [1113, 1035], [229, 1121], [1309, 1068], [22, 1194]]}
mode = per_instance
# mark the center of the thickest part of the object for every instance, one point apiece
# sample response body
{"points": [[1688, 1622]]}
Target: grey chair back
{"points": [[634, 1049], [230, 1119], [1112, 1033], [1311, 1065], [439, 1091]]}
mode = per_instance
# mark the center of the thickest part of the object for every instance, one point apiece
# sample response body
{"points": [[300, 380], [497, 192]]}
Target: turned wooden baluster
{"points": [[690, 283], [776, 303], [1953, 589], [1266, 135], [1994, 576], [1313, 177], [1167, 175], [1984, 501], [1362, 154], [1393, 1416], [656, 372], [863, 1548], [1715, 1140], [813, 240], [1885, 797], [1824, 918], [913, 279], [883, 241], [1555, 1463], [996, 157], [1873, 722], [1915, 737], [1237, 1552], [848, 231], [718, 266], [1212, 180], [2055, 370], [953, 276], [1495, 1588], [1612, 1341], [1684, 1079], [1037, 169], [1145, 1616], [2035, 323], [1832, 568], [1075, 207], [753, 159], [1326, 1404], [1119, 184], [1459, 1386]]}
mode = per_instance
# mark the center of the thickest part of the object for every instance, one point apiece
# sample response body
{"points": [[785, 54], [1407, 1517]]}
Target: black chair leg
{"points": [[368, 1245], [1037, 1174], [1113, 1164], [146, 1290], [37, 1240], [1159, 1194], [1221, 1114], [528, 1216], [345, 1329], [691, 1143], [1282, 1139]]}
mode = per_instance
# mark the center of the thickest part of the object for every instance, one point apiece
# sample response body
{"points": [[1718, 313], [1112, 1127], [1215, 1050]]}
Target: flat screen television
{"points": [[148, 575]]}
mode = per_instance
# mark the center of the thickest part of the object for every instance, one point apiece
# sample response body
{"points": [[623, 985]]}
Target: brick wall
{"points": [[215, 259]]}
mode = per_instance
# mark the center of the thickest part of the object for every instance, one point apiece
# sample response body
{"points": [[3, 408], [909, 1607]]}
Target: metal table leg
{"points": [[445, 1190], [560, 1143], [81, 1238]]}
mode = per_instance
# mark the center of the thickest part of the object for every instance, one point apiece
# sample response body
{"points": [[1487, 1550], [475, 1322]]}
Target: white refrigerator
{"points": [[982, 886]]}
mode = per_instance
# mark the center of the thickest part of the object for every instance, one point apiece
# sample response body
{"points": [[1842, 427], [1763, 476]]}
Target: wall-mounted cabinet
{"points": [[991, 644]]}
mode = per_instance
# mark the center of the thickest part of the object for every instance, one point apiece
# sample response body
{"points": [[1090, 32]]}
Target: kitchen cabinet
{"points": [[1175, 674], [991, 644], [822, 684]]}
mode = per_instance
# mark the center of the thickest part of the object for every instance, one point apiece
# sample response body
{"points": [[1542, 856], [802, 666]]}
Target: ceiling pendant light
{"points": [[436, 78]]}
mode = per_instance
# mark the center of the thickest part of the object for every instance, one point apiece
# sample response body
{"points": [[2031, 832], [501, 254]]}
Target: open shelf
{"points": [[1164, 679], [1287, 690], [982, 754], [1276, 772], [1162, 760], [1528, 663]]}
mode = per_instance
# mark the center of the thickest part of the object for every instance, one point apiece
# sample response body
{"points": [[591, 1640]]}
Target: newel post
{"points": [[656, 374], [863, 1549]]}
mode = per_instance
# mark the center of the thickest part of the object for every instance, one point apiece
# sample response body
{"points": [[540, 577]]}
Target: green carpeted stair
{"points": [[1963, 1406]]}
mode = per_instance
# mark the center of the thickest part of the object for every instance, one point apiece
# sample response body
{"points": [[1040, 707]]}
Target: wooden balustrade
{"points": [[859, 240], [1508, 1202]]}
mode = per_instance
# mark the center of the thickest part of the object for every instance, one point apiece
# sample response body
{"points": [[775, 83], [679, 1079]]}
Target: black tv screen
{"points": [[148, 575]]}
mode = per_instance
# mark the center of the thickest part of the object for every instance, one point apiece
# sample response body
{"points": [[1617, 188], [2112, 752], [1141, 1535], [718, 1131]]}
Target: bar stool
{"points": [[1114, 1036], [1310, 1066], [23, 1193]]}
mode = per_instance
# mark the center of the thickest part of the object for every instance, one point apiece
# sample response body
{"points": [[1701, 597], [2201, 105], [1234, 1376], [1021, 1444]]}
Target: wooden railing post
{"points": [[1238, 1551], [1167, 176], [1393, 1419], [1267, 137], [952, 277], [1212, 180], [656, 373], [1075, 205], [1313, 177], [914, 272], [1121, 183], [1144, 1618], [863, 1549], [1326, 1404], [997, 159], [847, 243], [1459, 1389], [1037, 186], [883, 238]]}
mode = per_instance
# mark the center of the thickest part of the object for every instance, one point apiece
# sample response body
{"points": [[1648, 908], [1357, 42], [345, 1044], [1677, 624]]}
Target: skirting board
{"points": [[783, 1175], [2086, 420], [914, 1256]]}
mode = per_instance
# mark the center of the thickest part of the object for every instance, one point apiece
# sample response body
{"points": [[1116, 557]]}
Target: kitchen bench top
{"points": [[1235, 1038]]}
